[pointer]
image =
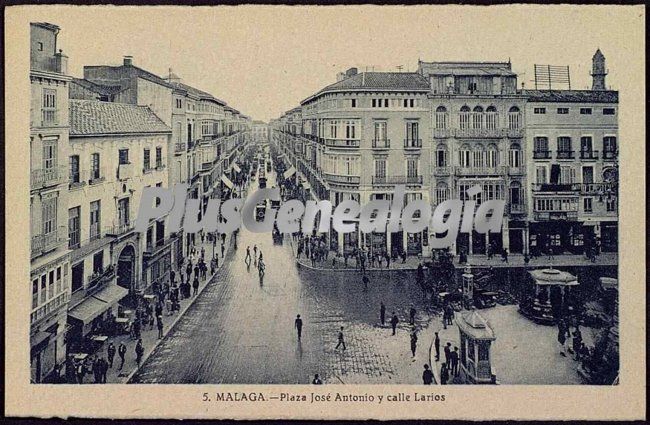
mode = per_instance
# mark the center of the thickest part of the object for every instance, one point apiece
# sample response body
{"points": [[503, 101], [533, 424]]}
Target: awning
{"points": [[39, 339], [88, 310], [112, 294], [290, 172], [306, 185], [227, 182], [236, 167]]}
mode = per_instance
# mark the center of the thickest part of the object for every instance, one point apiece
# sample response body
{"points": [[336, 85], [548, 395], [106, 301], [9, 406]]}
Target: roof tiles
{"points": [[91, 117]]}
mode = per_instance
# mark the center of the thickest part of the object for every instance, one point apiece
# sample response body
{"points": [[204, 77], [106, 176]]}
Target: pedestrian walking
{"points": [[450, 314], [341, 340], [247, 259], [103, 369], [448, 353], [365, 281], [195, 285], [412, 315], [111, 353], [427, 375], [121, 351], [444, 317], [444, 374], [317, 380], [298, 325], [223, 249], [197, 271], [139, 351], [188, 269], [561, 338], [504, 255], [393, 322], [80, 371], [454, 361], [160, 327], [382, 313], [436, 344], [414, 342]]}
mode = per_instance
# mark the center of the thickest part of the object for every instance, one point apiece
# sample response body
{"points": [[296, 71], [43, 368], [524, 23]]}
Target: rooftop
{"points": [[377, 81], [92, 117], [197, 93], [139, 72], [97, 88], [466, 68], [572, 96]]}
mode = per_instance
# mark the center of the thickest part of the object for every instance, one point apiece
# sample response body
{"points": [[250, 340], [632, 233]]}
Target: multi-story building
{"points": [[260, 131], [50, 259], [357, 139], [477, 138], [116, 150], [572, 149]]}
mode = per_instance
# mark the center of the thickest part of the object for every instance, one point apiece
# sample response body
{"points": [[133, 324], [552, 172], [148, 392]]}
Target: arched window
{"points": [[514, 118], [464, 156], [441, 117], [441, 155], [479, 156], [514, 156], [492, 156], [477, 117], [442, 192], [464, 117], [516, 197], [491, 118]]}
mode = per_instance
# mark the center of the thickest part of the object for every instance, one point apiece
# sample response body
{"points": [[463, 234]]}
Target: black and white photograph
{"points": [[299, 196]]}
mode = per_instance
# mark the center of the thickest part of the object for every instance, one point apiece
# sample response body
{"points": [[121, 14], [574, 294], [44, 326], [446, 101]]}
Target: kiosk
{"points": [[547, 296], [476, 338]]}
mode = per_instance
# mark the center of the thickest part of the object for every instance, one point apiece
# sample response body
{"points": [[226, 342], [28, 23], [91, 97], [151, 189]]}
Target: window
{"points": [[159, 163], [585, 144], [541, 144], [123, 212], [333, 128], [587, 205], [49, 106], [441, 117], [95, 217], [49, 154], [514, 118], [562, 111], [587, 175], [464, 117], [412, 131], [442, 192], [441, 156], [98, 261], [77, 276], [491, 118], [515, 193], [43, 288], [464, 156], [147, 159], [74, 227], [567, 175], [609, 111], [350, 130], [123, 156], [411, 167], [374, 103], [40, 46], [611, 205], [477, 117], [539, 111], [381, 131], [609, 143], [492, 156], [179, 103], [94, 167], [514, 156], [49, 206], [385, 103], [74, 169], [585, 111], [34, 293], [564, 144], [380, 168], [540, 174], [353, 103]]}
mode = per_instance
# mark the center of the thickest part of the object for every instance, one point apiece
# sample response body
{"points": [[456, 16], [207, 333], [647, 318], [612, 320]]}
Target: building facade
{"points": [[50, 257]]}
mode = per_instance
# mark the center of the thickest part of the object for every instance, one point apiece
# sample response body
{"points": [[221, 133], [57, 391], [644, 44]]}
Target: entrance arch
{"points": [[126, 268]]}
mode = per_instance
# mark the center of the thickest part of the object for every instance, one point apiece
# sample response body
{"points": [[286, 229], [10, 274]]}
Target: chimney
{"points": [[128, 60], [351, 72], [61, 62], [598, 71]]}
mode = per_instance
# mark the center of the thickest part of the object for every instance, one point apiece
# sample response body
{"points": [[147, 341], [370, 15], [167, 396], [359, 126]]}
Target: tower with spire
{"points": [[598, 71]]}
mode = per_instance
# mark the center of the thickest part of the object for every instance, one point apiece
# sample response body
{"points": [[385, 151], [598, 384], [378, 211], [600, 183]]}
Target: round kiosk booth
{"points": [[546, 296]]}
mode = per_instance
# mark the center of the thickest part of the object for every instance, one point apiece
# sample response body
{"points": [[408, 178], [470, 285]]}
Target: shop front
{"points": [[609, 236], [557, 237]]}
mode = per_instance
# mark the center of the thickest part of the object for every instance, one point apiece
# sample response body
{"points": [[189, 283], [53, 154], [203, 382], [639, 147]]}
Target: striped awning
{"points": [[226, 181], [290, 172], [236, 167]]}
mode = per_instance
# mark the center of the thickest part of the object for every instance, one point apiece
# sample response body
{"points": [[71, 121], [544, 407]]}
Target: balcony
{"points": [[565, 154], [515, 133], [553, 187], [393, 180], [588, 154], [100, 276], [480, 171], [180, 147], [44, 243], [516, 171], [476, 133], [596, 188], [335, 178], [119, 229], [77, 180], [125, 171], [442, 133], [412, 144], [45, 177], [555, 215], [381, 144], [97, 176], [442, 171], [341, 143], [517, 208], [541, 154], [611, 155]]}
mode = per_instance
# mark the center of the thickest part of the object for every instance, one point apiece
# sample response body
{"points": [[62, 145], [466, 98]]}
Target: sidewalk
{"points": [[476, 260]]}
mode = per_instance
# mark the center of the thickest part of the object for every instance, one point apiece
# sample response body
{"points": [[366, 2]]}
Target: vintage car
{"points": [[484, 299]]}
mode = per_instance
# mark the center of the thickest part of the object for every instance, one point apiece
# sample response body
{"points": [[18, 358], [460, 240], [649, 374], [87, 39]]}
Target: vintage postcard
{"points": [[389, 212]]}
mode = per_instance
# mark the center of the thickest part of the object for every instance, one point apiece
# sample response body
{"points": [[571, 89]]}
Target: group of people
{"points": [[313, 247], [257, 260], [571, 342], [448, 368]]}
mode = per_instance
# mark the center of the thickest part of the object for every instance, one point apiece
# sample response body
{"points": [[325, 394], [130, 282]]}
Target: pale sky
{"points": [[263, 60]]}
